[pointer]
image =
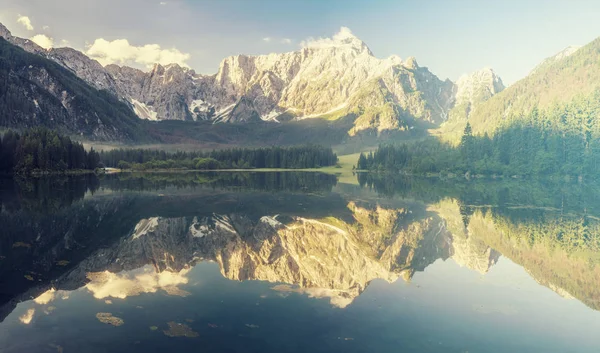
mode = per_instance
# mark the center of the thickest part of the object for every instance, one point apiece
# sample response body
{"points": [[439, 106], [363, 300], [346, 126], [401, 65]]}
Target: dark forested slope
{"points": [[35, 91]]}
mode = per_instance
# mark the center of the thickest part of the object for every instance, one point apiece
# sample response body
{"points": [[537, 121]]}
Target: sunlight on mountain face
{"points": [[146, 280]]}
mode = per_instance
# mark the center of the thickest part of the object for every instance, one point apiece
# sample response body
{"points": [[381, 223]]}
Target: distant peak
{"points": [[486, 73], [568, 51], [479, 85]]}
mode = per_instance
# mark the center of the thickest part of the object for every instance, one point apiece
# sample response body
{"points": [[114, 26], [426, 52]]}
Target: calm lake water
{"points": [[297, 262]]}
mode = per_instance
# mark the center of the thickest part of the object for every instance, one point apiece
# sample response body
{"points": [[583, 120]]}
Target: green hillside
{"points": [[553, 84]]}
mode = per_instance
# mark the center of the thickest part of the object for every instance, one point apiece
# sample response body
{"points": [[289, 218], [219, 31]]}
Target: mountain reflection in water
{"points": [[84, 242]]}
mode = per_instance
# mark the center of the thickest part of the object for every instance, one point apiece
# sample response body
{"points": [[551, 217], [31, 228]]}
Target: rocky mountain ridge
{"points": [[332, 78], [474, 89], [38, 91]]}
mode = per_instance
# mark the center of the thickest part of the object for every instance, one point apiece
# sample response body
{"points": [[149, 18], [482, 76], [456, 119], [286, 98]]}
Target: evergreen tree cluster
{"points": [[272, 157], [43, 150], [562, 140]]}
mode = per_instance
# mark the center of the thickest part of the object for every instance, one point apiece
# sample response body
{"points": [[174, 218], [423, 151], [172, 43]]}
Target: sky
{"points": [[450, 37]]}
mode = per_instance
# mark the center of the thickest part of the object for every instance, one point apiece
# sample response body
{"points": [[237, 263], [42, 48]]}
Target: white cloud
{"points": [[286, 41], [45, 28], [64, 43], [163, 3], [267, 39], [127, 284], [344, 34], [119, 51], [26, 22], [43, 41], [46, 297], [27, 317]]}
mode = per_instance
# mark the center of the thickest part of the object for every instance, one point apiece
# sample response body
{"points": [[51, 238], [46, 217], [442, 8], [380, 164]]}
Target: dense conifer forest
{"points": [[41, 150], [238, 158], [559, 141]]}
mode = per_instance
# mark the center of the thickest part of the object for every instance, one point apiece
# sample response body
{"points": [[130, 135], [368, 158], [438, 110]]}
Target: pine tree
{"points": [[466, 146], [362, 162]]}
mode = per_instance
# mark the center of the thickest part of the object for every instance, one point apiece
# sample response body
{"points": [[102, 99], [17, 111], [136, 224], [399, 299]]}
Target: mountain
{"points": [[561, 79], [474, 89], [556, 57], [37, 91], [329, 78]]}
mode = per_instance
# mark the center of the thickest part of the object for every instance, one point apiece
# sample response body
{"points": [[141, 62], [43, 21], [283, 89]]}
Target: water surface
{"points": [[297, 262]]}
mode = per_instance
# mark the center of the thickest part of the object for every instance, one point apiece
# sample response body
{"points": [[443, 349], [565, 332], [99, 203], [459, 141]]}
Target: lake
{"points": [[298, 262]]}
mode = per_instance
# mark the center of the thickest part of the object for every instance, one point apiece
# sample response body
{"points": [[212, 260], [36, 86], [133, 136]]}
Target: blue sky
{"points": [[449, 37]]}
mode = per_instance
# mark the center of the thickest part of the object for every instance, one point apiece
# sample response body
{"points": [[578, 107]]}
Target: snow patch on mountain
{"points": [[199, 229], [143, 111], [144, 227], [271, 221]]}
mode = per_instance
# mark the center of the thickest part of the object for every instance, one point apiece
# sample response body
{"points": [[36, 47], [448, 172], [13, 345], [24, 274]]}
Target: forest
{"points": [[559, 141], [41, 150], [298, 157]]}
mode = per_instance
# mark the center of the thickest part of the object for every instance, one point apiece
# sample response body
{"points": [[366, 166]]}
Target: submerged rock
{"points": [[108, 318], [177, 329]]}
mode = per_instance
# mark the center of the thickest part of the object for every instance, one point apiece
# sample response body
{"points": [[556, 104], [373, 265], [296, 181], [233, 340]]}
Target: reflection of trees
{"points": [[323, 241], [45, 194], [560, 251], [549, 228], [271, 181], [51, 193], [568, 197]]}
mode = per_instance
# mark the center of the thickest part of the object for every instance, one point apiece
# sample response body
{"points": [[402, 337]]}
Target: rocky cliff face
{"points": [[332, 78], [338, 76], [328, 76], [37, 91], [474, 89]]}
